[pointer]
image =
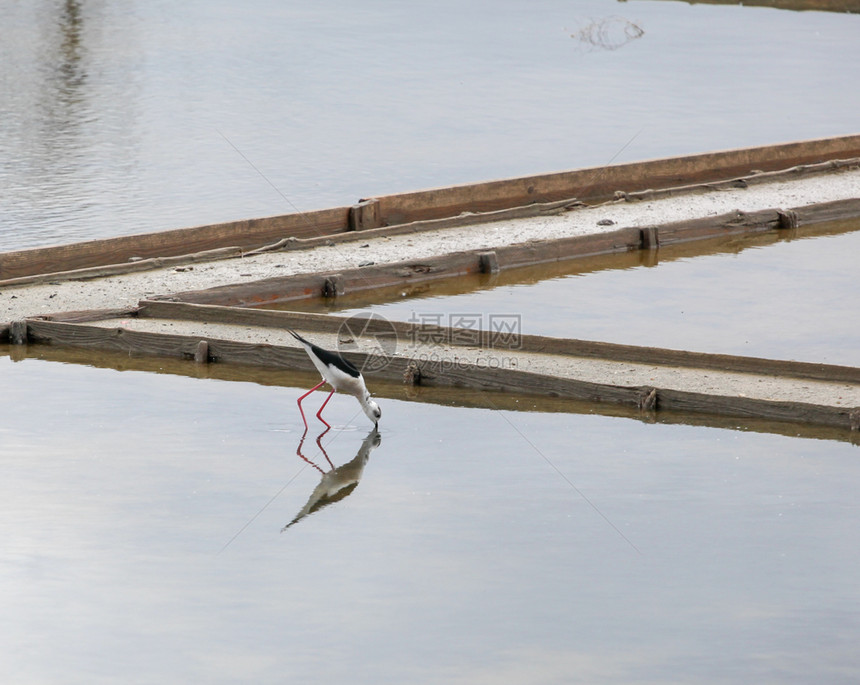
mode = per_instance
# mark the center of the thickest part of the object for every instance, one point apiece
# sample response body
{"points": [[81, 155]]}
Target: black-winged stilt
{"points": [[340, 375]]}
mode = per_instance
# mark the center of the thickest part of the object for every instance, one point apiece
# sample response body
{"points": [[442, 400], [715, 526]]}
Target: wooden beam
{"points": [[601, 183], [83, 316], [411, 333], [364, 215], [437, 373], [201, 352], [18, 333], [407, 273], [444, 395], [478, 201], [841, 6], [136, 266], [251, 233]]}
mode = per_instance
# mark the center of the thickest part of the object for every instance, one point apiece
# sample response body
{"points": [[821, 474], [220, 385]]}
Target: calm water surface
{"points": [[121, 117], [142, 513], [142, 541]]}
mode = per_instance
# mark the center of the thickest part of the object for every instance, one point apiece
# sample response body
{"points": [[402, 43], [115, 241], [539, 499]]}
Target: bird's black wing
{"points": [[329, 358], [334, 359]]}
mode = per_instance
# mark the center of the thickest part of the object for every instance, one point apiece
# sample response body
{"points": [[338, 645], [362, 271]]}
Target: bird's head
{"points": [[371, 408]]}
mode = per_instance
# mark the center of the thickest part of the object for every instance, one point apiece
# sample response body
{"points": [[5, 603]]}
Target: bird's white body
{"points": [[337, 378]]}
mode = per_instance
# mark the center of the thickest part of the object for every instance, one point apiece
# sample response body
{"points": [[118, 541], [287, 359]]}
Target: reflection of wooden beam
{"points": [[589, 184], [841, 6]]}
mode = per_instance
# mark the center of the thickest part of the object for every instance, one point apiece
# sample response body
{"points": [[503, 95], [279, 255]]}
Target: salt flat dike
{"points": [[132, 311], [123, 291]]}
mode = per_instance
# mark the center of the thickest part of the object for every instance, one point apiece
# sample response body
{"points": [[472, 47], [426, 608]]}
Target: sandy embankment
{"points": [[127, 290]]}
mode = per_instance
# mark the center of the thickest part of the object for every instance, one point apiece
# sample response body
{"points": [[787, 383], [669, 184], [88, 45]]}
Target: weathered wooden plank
{"points": [[145, 343], [86, 315], [841, 6], [111, 339], [823, 212], [486, 378], [733, 223], [18, 333], [460, 220], [597, 183], [123, 268], [563, 249], [410, 332], [591, 184], [445, 395], [467, 218], [251, 233], [752, 179], [478, 377], [288, 288], [717, 226], [699, 360], [265, 318], [745, 407]]}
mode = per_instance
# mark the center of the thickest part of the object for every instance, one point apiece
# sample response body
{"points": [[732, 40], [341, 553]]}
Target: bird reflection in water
{"points": [[337, 482]]}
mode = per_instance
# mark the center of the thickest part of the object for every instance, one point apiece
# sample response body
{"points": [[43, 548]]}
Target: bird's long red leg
{"points": [[299, 453], [299, 402], [323, 407], [322, 449]]}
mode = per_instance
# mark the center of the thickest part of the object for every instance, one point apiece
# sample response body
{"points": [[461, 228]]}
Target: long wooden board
{"points": [[589, 184], [479, 377], [841, 6], [600, 183], [445, 395], [407, 332], [407, 273], [235, 235]]}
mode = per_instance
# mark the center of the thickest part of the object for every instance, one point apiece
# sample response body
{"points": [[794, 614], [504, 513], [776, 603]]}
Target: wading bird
{"points": [[340, 375]]}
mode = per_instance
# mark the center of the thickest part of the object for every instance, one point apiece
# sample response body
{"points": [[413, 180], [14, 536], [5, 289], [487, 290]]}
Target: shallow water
{"points": [[142, 527], [125, 117], [141, 513], [795, 299]]}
